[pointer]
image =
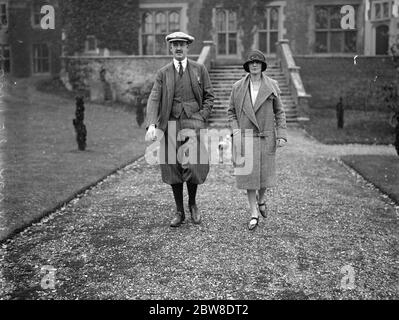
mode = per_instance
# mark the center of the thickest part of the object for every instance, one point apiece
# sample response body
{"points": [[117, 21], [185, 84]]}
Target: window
{"points": [[36, 14], [381, 10], [268, 28], [5, 58], [226, 26], [155, 26], [91, 44], [41, 58], [329, 35], [3, 14]]}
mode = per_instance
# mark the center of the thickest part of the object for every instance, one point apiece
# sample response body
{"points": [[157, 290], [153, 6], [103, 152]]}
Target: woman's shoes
{"points": [[253, 223], [262, 209]]}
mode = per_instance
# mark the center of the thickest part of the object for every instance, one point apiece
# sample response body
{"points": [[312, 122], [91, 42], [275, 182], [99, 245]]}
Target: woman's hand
{"points": [[281, 143], [151, 134]]}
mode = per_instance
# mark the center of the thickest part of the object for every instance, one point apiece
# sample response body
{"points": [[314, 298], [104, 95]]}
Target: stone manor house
{"points": [[308, 50]]}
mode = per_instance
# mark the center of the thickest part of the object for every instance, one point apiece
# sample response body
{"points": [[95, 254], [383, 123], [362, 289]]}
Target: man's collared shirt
{"points": [[183, 62]]}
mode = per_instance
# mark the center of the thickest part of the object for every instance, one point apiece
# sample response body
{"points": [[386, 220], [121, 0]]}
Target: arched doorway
{"points": [[382, 39]]}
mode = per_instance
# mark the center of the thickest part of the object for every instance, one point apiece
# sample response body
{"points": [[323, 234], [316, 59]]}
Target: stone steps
{"points": [[224, 76]]}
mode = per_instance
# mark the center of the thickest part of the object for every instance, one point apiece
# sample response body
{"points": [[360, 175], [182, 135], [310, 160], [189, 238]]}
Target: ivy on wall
{"points": [[114, 23], [249, 14], [22, 36], [19, 23]]}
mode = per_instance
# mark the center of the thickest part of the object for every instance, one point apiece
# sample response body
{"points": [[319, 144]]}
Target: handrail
{"points": [[207, 55], [291, 72]]}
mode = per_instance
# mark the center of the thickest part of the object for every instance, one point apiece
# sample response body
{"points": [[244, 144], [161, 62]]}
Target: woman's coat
{"points": [[266, 122]]}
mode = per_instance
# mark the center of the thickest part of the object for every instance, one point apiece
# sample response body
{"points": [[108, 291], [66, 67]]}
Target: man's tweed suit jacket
{"points": [[159, 104]]}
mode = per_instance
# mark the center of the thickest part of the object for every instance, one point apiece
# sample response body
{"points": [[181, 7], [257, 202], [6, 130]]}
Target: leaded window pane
{"points": [[174, 22], [336, 41], [377, 10], [273, 40], [274, 18], [350, 41], [222, 43], [221, 20], [160, 23], [321, 42], [232, 43], [263, 42], [147, 23], [148, 44], [263, 20], [41, 61], [385, 10], [232, 21], [335, 18], [321, 18], [160, 44]]}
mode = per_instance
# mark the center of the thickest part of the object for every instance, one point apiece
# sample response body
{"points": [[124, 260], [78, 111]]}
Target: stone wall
{"points": [[124, 74], [360, 84]]}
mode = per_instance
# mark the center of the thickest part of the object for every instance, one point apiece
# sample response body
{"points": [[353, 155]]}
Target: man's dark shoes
{"points": [[178, 219], [195, 215]]}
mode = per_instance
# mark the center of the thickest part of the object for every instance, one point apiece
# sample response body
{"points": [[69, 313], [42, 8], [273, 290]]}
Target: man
{"points": [[181, 99]]}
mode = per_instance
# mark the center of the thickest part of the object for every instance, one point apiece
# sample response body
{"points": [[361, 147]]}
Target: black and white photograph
{"points": [[200, 156]]}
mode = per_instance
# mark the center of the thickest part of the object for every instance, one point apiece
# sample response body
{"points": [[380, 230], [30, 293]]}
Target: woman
{"points": [[256, 112]]}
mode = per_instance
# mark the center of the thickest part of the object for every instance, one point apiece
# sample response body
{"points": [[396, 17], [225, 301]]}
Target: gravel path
{"points": [[325, 225]]}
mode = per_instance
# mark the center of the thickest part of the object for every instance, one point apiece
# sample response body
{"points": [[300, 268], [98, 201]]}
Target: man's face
{"points": [[179, 49]]}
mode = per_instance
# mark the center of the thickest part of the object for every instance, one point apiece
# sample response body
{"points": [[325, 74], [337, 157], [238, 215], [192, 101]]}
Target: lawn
{"points": [[371, 127], [56, 87], [381, 170], [41, 166]]}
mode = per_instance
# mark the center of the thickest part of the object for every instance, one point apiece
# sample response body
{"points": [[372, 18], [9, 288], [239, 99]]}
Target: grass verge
{"points": [[381, 170], [371, 127]]}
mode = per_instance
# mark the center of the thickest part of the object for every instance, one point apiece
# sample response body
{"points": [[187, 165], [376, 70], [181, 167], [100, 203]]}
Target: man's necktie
{"points": [[180, 69]]}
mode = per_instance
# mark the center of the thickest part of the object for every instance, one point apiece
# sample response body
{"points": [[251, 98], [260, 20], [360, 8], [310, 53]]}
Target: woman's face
{"points": [[255, 67]]}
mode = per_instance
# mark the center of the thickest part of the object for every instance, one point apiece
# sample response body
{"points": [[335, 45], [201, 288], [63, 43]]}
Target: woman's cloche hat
{"points": [[255, 55], [179, 36]]}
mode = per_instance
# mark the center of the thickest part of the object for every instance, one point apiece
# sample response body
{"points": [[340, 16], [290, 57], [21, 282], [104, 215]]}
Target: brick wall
{"points": [[326, 79]]}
